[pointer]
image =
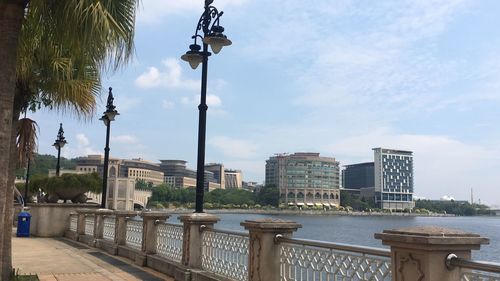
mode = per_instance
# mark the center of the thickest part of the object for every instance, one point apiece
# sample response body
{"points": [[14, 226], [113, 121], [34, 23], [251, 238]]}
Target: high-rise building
{"points": [[305, 178], [136, 169], [218, 173], [234, 178], [178, 175], [357, 176], [393, 178]]}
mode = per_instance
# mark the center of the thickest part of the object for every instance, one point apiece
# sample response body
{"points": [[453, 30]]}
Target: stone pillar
{"points": [[419, 253], [149, 230], [100, 214], [80, 226], [264, 254], [80, 223], [121, 225], [191, 243]]}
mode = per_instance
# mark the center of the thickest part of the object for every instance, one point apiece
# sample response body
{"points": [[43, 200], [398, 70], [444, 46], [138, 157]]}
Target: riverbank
{"points": [[304, 212]]}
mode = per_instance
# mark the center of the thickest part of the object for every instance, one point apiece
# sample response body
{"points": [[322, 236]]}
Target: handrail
{"points": [[230, 232], [335, 246], [452, 261], [170, 223]]}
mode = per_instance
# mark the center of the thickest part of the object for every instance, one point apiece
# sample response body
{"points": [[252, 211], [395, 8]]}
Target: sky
{"points": [[335, 77]]}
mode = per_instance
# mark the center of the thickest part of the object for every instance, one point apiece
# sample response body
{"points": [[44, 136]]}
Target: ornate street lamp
{"points": [[213, 35], [108, 116], [58, 144]]}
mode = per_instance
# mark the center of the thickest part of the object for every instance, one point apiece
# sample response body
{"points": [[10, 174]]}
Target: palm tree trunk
{"points": [[9, 211], [11, 18]]}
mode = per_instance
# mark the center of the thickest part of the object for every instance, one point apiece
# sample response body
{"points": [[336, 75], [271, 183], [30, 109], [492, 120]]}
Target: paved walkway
{"points": [[65, 260]]}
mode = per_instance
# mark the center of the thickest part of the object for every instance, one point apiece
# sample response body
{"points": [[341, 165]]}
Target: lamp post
{"points": [[212, 31], [58, 144], [108, 116], [26, 183]]}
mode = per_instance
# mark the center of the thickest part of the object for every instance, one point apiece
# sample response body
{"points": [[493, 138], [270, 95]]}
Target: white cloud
{"points": [[446, 198], [82, 140], [166, 104], [387, 62], [154, 11], [125, 139], [234, 148], [81, 148], [170, 78]]}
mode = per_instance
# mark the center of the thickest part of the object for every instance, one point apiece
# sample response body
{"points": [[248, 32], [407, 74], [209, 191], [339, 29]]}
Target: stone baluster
{"points": [[419, 253], [264, 253], [149, 230], [192, 240], [80, 225], [149, 234], [100, 214], [121, 226]]}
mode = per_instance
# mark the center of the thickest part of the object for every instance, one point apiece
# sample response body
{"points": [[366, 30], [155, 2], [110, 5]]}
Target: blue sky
{"points": [[335, 77]]}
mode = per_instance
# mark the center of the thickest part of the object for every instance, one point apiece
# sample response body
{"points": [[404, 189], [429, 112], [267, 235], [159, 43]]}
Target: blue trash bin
{"points": [[23, 224]]}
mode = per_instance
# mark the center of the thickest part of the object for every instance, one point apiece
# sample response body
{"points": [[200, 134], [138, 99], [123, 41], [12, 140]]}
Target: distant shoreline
{"points": [[307, 213]]}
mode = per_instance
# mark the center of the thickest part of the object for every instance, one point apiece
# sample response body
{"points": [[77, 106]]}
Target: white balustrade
{"points": [[134, 234], [225, 253], [109, 228], [169, 241], [89, 225], [73, 222]]}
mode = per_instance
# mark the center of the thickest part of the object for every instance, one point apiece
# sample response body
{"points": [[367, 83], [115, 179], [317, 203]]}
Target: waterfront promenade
{"points": [[126, 245], [59, 259]]}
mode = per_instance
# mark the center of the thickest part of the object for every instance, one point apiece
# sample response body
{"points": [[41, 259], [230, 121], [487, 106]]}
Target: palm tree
{"points": [[61, 48]]}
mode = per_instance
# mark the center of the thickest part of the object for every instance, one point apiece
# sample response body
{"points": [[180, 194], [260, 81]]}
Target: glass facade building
{"points": [[358, 176], [394, 178], [305, 178]]}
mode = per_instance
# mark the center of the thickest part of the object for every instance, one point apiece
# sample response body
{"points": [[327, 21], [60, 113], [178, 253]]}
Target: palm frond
{"points": [[26, 140]]}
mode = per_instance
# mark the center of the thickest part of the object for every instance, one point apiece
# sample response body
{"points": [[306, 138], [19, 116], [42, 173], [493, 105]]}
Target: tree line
{"points": [[165, 196], [459, 208], [42, 163]]}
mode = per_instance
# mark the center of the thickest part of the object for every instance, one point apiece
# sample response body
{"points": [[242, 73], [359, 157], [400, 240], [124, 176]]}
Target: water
{"points": [[359, 230]]}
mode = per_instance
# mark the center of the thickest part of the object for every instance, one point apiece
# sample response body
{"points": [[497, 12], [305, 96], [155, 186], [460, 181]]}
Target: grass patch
{"points": [[17, 277], [25, 278]]}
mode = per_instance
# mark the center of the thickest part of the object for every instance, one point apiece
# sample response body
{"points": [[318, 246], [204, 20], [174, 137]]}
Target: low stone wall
{"points": [[17, 209], [52, 219]]}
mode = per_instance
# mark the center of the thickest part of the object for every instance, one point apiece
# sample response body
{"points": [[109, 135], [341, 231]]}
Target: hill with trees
{"points": [[42, 163]]}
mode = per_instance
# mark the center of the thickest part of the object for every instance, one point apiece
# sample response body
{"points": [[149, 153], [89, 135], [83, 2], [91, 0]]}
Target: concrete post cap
{"points": [[271, 225], [85, 211], [431, 235], [104, 212], [199, 218]]}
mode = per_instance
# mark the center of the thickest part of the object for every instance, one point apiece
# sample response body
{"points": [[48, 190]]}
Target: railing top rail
{"points": [[335, 246], [230, 232], [133, 219], [453, 261], [170, 223]]}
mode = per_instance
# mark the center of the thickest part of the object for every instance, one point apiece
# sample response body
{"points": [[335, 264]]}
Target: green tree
{"points": [[142, 184], [41, 164], [269, 195], [67, 42]]}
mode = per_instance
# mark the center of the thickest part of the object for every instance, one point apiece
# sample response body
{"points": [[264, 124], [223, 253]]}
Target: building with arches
{"points": [[305, 179]]}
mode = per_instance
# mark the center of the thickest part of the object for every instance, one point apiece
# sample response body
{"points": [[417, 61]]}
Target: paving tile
{"points": [[61, 260], [46, 277], [81, 277]]}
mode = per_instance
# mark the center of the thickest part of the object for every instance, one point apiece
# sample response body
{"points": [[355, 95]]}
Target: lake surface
{"points": [[359, 230]]}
